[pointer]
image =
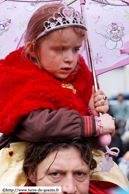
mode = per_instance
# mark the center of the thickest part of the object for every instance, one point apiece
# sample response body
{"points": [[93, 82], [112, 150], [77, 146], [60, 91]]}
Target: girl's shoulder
{"points": [[12, 57], [17, 59]]}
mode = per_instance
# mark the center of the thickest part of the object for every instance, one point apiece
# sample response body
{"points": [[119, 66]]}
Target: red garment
{"points": [[101, 187], [25, 87]]}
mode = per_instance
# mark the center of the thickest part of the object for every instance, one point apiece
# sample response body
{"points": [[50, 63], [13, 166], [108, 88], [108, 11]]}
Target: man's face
{"points": [[120, 98], [67, 170]]}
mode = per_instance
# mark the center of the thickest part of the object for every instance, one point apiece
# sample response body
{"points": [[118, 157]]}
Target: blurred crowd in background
{"points": [[120, 111]]}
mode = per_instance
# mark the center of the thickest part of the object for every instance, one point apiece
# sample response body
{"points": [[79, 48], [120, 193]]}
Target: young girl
{"points": [[46, 87]]}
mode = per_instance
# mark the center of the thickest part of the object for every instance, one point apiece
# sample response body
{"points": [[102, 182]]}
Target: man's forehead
{"points": [[64, 158]]}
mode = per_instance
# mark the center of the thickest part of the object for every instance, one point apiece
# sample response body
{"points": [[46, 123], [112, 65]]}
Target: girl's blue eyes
{"points": [[76, 49], [59, 49]]}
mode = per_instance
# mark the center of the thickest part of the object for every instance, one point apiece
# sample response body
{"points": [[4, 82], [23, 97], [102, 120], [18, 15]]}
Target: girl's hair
{"points": [[35, 25], [36, 152]]}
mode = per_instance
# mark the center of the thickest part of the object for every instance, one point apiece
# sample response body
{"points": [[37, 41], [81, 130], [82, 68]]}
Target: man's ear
{"points": [[31, 175], [30, 49]]}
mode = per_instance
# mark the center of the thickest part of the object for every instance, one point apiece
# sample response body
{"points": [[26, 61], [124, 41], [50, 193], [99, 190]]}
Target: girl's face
{"points": [[58, 53], [67, 170]]}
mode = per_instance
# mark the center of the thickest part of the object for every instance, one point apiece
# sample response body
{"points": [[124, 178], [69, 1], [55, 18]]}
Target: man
{"points": [[120, 112]]}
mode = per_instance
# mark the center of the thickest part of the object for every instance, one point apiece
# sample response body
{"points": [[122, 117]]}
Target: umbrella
{"points": [[105, 55]]}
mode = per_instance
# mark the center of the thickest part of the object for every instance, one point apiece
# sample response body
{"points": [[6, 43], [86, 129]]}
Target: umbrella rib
{"points": [[111, 3], [71, 2], [35, 1]]}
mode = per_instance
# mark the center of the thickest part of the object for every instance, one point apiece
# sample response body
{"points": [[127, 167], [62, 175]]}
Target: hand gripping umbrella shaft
{"points": [[104, 140]]}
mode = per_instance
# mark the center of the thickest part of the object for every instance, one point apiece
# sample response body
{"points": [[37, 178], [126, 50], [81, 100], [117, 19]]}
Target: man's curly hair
{"points": [[36, 152]]}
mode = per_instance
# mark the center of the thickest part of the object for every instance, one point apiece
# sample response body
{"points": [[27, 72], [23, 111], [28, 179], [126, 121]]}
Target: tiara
{"points": [[65, 17]]}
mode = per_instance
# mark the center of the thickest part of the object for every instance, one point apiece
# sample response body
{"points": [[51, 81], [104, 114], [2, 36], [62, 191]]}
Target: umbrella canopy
{"points": [[14, 17], [108, 25], [13, 22]]}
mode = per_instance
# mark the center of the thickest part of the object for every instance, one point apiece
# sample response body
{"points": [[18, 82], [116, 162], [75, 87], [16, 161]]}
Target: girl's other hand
{"points": [[108, 124], [98, 102]]}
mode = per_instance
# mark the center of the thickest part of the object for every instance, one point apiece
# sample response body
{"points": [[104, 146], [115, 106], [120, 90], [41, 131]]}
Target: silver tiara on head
{"points": [[65, 17]]}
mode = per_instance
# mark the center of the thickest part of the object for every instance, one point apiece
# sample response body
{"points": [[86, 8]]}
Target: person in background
{"points": [[127, 125], [120, 112], [124, 164]]}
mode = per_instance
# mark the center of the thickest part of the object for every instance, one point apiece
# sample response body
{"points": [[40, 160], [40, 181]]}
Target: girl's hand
{"points": [[98, 102], [108, 124]]}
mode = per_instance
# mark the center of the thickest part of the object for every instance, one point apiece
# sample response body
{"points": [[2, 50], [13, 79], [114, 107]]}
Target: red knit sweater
{"points": [[25, 87]]}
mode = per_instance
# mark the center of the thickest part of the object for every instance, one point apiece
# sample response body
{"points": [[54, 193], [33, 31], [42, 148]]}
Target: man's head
{"points": [[120, 97], [60, 164]]}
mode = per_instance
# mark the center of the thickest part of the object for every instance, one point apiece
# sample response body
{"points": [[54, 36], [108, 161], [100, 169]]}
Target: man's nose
{"points": [[69, 57], [69, 186]]}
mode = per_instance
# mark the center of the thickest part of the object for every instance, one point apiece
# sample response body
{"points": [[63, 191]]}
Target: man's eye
{"points": [[55, 174], [55, 177], [80, 176]]}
